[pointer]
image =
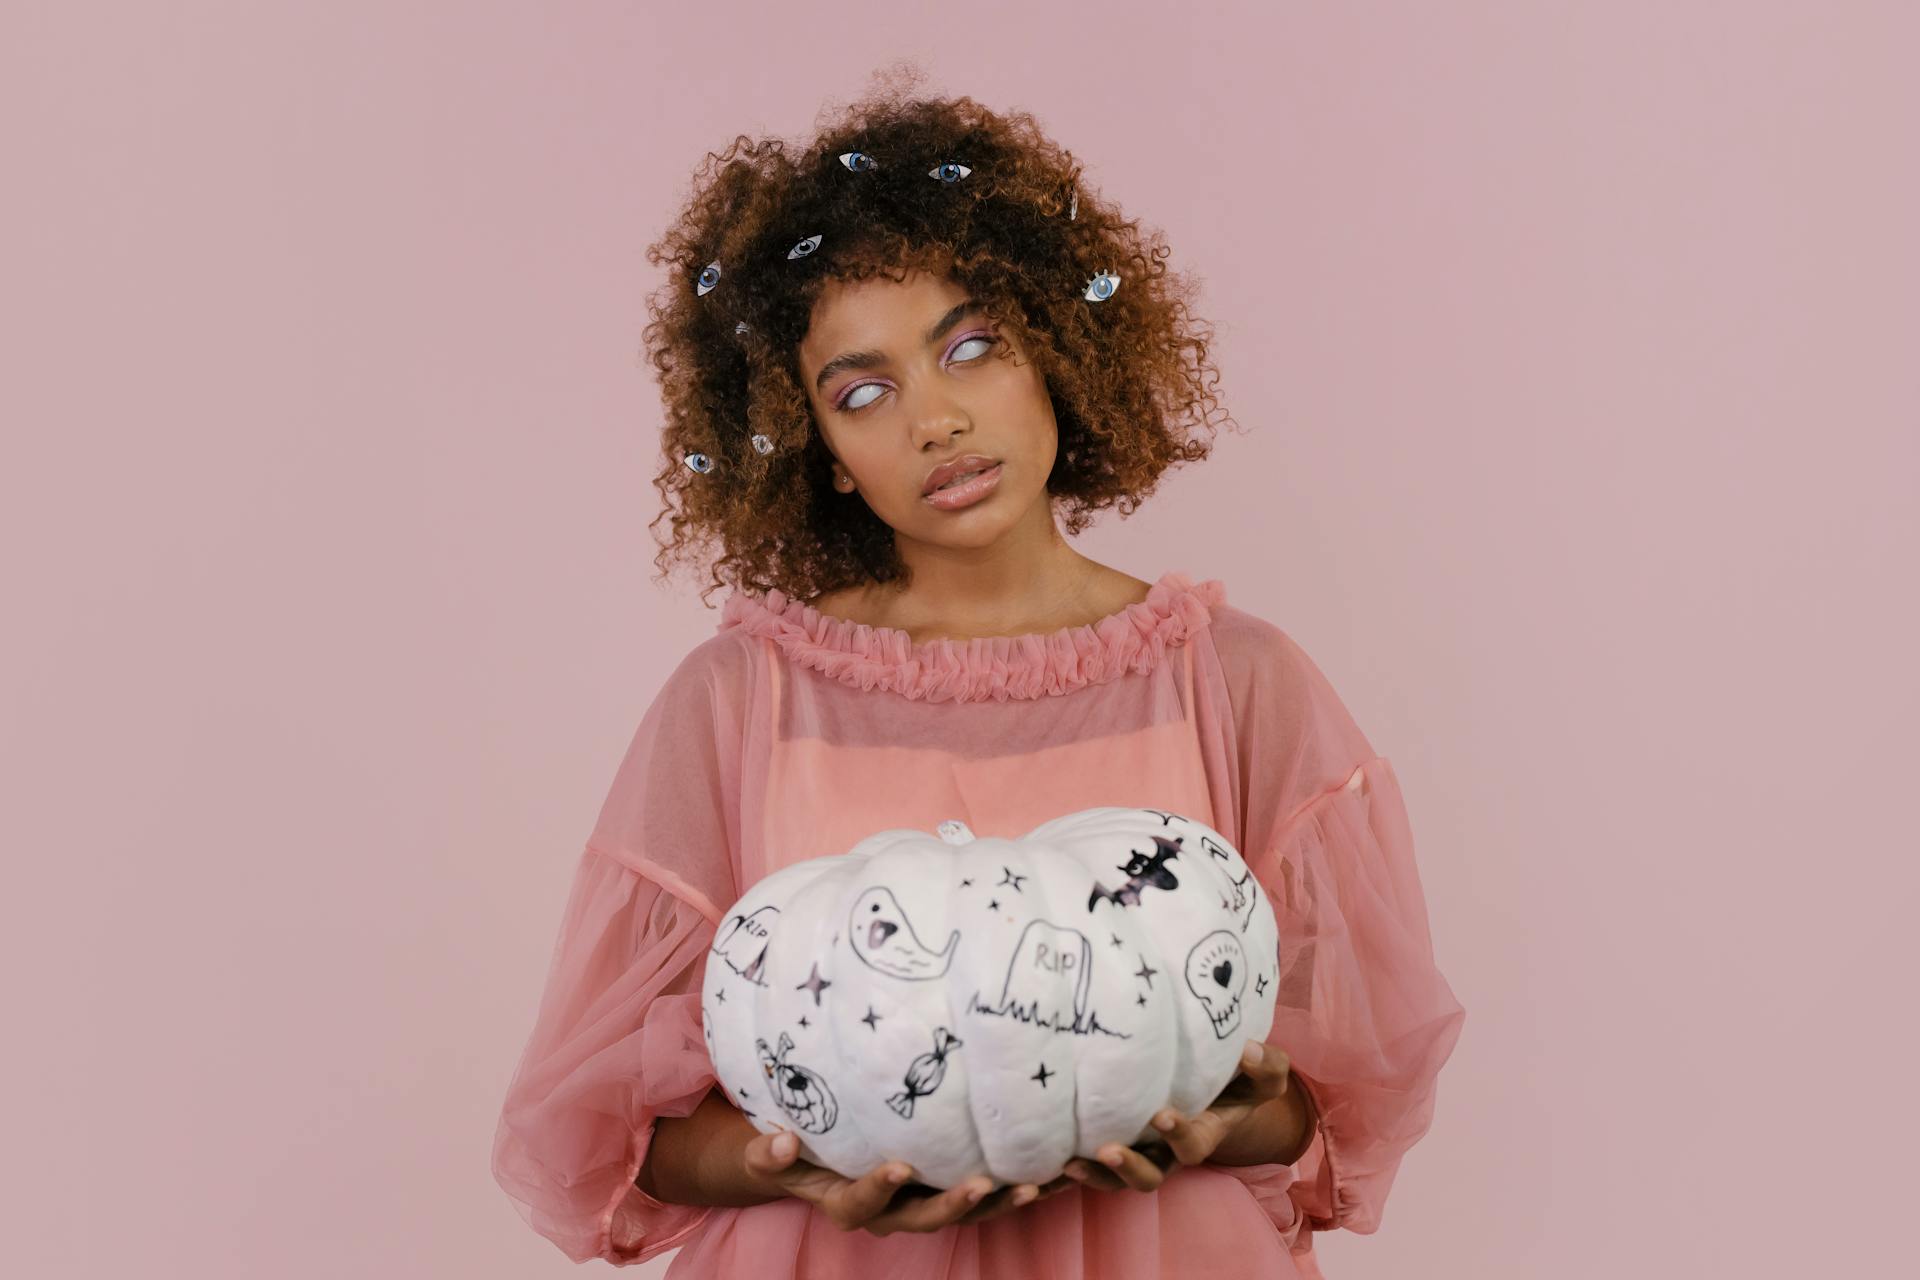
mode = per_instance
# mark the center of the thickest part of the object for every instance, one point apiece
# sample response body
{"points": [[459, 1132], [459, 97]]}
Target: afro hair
{"points": [[893, 185]]}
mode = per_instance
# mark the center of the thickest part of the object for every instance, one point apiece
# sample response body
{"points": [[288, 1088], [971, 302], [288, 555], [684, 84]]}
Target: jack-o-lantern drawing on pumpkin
{"points": [[801, 1093]]}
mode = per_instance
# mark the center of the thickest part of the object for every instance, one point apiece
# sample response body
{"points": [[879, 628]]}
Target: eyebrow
{"points": [[868, 359]]}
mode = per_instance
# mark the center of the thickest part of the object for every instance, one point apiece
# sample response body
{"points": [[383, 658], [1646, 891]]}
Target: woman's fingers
{"points": [[859, 1200], [1118, 1165], [930, 1213], [1193, 1138], [1093, 1175]]}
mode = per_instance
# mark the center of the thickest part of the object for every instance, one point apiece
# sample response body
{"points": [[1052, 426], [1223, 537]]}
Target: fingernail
{"points": [[977, 1194], [1253, 1054], [898, 1175], [785, 1144], [1025, 1195], [1163, 1123], [1111, 1159]]}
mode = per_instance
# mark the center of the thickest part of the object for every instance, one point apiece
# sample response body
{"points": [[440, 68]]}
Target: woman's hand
{"points": [[1188, 1139], [878, 1202]]}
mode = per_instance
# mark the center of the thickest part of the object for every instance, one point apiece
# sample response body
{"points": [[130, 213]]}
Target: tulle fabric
{"points": [[785, 706], [617, 1045], [617, 1041], [983, 667], [1364, 1013]]}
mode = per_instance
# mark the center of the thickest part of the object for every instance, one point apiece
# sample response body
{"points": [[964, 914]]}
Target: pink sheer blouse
{"points": [[791, 734]]}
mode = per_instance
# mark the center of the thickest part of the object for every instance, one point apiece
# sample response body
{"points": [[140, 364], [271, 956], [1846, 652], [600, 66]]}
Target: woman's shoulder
{"points": [[1244, 637], [1262, 664]]}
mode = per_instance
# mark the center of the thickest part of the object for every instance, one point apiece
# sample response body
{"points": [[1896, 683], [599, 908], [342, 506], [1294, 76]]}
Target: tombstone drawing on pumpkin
{"points": [[1046, 955], [742, 943]]}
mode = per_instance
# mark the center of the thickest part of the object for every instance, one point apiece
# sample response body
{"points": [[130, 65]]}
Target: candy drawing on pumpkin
{"points": [[1144, 871], [743, 943], [1217, 973], [1048, 962], [883, 937], [801, 1093], [925, 1072]]}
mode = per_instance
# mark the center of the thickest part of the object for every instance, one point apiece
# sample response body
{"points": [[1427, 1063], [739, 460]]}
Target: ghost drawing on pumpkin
{"points": [[883, 937]]}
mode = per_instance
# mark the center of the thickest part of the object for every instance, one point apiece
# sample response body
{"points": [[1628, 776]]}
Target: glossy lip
{"points": [[948, 470], [964, 496]]}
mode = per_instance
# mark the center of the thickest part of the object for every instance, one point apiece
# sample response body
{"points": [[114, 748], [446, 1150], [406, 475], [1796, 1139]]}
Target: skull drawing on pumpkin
{"points": [[1217, 973]]}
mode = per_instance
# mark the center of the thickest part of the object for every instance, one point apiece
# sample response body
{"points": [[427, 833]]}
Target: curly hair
{"points": [[1128, 376]]}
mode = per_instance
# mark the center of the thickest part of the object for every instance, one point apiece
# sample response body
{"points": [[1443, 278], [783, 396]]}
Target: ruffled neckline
{"points": [[1037, 664]]}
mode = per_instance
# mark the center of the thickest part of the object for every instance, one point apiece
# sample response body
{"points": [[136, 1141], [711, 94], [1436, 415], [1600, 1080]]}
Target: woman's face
{"points": [[902, 376]]}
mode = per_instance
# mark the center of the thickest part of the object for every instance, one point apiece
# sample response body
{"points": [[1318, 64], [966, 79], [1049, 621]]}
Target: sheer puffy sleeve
{"points": [[1363, 1012], [617, 1040]]}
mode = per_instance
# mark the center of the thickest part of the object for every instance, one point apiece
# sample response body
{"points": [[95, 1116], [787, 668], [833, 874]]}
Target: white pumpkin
{"points": [[991, 1005]]}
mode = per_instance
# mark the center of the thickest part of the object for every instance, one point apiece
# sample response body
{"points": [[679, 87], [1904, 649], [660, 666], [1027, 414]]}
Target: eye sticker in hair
{"points": [[709, 277], [1101, 287], [949, 172], [1073, 208], [804, 248], [858, 161]]}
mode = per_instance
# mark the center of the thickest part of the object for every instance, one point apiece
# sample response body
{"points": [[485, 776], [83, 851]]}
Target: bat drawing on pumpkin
{"points": [[1144, 871]]}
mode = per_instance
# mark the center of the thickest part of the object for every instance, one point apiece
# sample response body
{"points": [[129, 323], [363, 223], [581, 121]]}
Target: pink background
{"points": [[1576, 352]]}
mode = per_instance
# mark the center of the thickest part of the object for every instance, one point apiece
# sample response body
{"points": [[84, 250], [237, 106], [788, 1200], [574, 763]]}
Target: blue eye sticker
{"points": [[804, 248], [949, 172], [1101, 287], [699, 462], [858, 161], [709, 277]]}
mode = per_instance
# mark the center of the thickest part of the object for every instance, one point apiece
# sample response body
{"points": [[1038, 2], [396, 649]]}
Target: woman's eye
{"points": [[847, 402]]}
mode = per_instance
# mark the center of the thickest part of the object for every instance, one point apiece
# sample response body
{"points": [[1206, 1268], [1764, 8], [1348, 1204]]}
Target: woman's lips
{"points": [[968, 492]]}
